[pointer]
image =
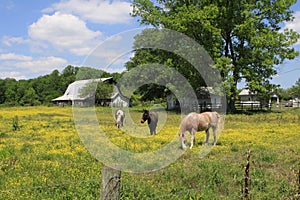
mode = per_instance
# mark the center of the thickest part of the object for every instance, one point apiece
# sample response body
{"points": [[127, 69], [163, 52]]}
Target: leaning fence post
{"points": [[110, 185], [247, 176]]}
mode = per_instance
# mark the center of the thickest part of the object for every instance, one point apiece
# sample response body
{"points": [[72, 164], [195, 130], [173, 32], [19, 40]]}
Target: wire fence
{"points": [[188, 190]]}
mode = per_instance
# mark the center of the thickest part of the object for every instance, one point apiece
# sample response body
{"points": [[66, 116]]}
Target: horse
{"points": [[194, 122], [119, 116], [152, 118]]}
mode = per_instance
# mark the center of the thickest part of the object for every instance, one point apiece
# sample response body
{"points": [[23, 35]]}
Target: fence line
{"points": [[46, 186]]}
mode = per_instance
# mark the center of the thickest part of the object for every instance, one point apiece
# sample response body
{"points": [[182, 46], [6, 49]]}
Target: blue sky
{"points": [[37, 37]]}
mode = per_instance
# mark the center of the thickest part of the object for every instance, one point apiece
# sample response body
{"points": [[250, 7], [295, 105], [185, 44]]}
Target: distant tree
{"points": [[2, 91], [295, 90], [90, 73], [10, 94], [29, 98]]}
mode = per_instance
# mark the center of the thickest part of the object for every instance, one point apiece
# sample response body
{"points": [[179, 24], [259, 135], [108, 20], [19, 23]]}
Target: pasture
{"points": [[42, 157]]}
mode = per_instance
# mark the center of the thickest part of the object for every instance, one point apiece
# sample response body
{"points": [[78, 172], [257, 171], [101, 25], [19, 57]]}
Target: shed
{"points": [[207, 99]]}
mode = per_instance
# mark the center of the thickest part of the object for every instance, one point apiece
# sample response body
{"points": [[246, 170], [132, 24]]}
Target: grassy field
{"points": [[42, 157]]}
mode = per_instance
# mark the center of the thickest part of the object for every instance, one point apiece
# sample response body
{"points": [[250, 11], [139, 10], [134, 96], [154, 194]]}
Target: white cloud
{"points": [[15, 75], [10, 41], [64, 32], [42, 65], [96, 11], [16, 57], [29, 65]]}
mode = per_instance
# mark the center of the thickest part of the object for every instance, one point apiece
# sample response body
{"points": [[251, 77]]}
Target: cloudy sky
{"points": [[37, 36]]}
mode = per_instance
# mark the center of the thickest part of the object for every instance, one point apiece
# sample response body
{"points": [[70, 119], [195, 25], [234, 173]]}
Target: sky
{"points": [[37, 37]]}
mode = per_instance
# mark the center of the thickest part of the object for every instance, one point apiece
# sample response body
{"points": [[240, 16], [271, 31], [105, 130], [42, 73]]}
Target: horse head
{"points": [[145, 116]]}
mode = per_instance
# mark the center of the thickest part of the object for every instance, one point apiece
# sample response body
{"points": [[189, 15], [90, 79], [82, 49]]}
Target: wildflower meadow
{"points": [[43, 157]]}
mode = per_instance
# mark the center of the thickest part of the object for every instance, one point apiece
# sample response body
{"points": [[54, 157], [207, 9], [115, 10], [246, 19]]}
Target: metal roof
{"points": [[73, 91]]}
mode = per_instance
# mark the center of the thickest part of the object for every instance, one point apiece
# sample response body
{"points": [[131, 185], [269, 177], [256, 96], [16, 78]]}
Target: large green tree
{"points": [[244, 38]]}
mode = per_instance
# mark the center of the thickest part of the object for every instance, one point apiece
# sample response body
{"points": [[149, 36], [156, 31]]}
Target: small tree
{"points": [[100, 91]]}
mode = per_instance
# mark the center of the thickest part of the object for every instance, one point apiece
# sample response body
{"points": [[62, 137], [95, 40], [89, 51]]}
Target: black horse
{"points": [[152, 118]]}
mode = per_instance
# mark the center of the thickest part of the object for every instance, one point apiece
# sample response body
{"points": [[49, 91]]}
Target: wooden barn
{"points": [[72, 95]]}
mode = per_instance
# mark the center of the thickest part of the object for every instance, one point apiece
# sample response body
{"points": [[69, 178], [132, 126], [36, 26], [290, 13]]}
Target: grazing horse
{"points": [[194, 122], [152, 118], [120, 116]]}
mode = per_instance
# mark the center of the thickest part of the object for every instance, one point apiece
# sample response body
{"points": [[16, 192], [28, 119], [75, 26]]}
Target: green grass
{"points": [[42, 157]]}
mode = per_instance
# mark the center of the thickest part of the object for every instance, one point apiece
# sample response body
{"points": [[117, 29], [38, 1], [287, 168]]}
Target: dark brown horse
{"points": [[194, 122], [152, 118]]}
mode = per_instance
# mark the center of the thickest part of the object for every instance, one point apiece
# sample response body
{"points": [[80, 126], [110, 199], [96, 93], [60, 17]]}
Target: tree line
{"points": [[41, 90]]}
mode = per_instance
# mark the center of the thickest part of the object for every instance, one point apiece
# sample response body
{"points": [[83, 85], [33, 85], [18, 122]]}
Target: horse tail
{"points": [[219, 121]]}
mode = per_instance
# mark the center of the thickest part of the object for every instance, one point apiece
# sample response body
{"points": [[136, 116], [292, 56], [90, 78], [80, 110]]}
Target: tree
{"points": [[29, 98], [97, 91], [90, 73], [10, 92], [244, 38], [295, 90]]}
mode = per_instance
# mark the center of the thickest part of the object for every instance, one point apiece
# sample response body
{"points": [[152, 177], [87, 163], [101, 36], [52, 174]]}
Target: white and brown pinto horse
{"points": [[194, 122], [119, 116]]}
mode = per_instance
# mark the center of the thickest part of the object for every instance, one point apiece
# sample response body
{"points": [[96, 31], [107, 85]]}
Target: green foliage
{"points": [[90, 73], [290, 93], [243, 38], [295, 90], [98, 90]]}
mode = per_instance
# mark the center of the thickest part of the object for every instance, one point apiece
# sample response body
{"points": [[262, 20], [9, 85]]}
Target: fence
{"points": [[252, 106], [245, 192], [112, 188]]}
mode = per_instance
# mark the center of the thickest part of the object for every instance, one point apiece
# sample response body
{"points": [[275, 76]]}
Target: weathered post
{"points": [[299, 180], [110, 185], [247, 176]]}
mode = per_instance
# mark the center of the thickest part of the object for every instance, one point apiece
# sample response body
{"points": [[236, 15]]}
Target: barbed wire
{"points": [[47, 186]]}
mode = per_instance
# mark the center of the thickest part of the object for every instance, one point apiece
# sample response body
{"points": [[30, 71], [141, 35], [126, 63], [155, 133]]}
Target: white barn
{"points": [[72, 95]]}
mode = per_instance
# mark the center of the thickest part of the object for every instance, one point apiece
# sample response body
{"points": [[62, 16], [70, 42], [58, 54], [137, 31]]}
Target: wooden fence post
{"points": [[110, 185], [247, 177], [299, 180]]}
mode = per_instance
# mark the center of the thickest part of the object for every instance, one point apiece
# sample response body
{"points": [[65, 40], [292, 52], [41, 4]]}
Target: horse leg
{"points": [[152, 129], [207, 136], [215, 136], [193, 132], [122, 120], [183, 140]]}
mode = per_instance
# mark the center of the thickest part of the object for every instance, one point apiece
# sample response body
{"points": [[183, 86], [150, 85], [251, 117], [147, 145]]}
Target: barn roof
{"points": [[73, 91]]}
